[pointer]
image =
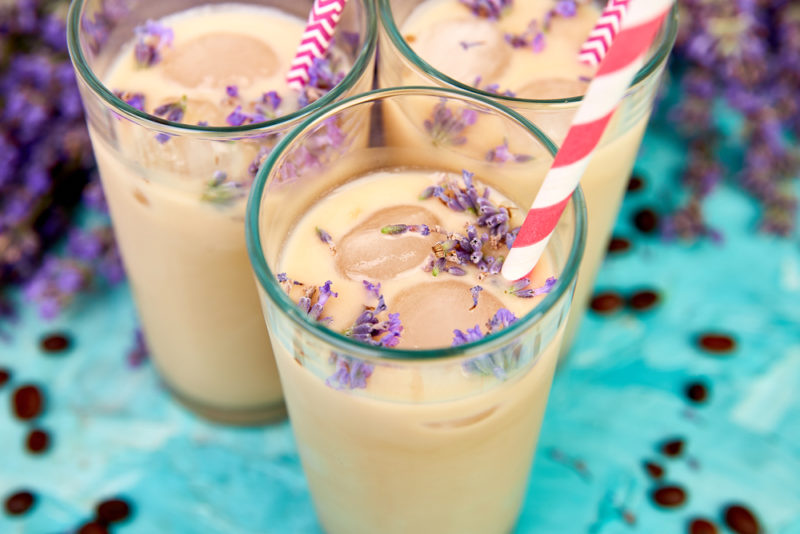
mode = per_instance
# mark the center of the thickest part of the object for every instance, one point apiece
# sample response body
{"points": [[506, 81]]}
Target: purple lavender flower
{"points": [[369, 329], [521, 288], [466, 45], [566, 8], [232, 91], [135, 100], [326, 238], [399, 229], [151, 39], [491, 9], [172, 111], [350, 373], [220, 190], [471, 335], [501, 319], [139, 352], [314, 309], [445, 127], [501, 154], [272, 99], [498, 364], [475, 291]]}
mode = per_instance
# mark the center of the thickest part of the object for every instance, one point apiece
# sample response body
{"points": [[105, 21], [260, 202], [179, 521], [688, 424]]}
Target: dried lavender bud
{"points": [[520, 288], [445, 127], [369, 329], [398, 229], [501, 154], [326, 238], [220, 190], [151, 39], [475, 292], [351, 373], [490, 9]]}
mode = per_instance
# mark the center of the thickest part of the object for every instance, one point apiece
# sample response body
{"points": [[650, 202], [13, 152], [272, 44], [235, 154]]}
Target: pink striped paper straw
{"points": [[623, 61], [316, 39], [599, 41]]}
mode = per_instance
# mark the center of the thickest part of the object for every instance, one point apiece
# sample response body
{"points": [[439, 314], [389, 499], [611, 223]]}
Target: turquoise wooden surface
{"points": [[116, 432]]}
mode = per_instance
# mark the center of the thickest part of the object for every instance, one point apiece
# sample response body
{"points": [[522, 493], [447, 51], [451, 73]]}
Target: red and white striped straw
{"points": [[316, 39], [603, 96], [599, 41]]}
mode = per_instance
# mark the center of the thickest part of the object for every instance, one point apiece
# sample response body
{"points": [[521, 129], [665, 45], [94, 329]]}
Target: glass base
{"points": [[255, 416]]}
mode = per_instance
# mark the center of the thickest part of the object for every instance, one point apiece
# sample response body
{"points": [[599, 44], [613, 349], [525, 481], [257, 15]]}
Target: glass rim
{"points": [[85, 72], [268, 280], [659, 57]]}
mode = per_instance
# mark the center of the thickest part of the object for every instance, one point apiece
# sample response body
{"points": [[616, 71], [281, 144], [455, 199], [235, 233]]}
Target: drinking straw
{"points": [[316, 39], [599, 41], [624, 59]]}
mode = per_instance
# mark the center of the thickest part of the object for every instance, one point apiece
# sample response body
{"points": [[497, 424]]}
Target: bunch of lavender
{"points": [[45, 163], [748, 54]]}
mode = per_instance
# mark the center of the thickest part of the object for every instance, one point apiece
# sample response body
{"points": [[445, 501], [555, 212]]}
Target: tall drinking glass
{"points": [[556, 99], [177, 187], [399, 441]]}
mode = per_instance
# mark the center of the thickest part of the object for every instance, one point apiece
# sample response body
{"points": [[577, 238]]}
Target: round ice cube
{"points": [[465, 49], [220, 59], [366, 253], [432, 310]]}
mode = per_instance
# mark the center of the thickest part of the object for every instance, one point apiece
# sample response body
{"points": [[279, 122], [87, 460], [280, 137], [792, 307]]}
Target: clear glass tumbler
{"points": [[177, 195], [607, 176], [419, 441]]}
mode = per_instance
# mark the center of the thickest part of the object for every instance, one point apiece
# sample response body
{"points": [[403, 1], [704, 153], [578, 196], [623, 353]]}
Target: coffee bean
{"points": [[607, 302], [643, 300], [113, 510], [93, 527], [669, 496], [5, 376], [38, 441], [741, 520], [646, 220], [654, 470], [716, 342], [20, 502], [702, 526], [697, 392], [28, 402], [672, 447], [636, 183], [618, 245], [56, 342]]}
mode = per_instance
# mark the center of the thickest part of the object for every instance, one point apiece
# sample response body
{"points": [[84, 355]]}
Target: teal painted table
{"points": [[116, 432]]}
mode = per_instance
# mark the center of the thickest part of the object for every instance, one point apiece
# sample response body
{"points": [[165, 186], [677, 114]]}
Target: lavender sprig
{"points": [[314, 300], [326, 238], [498, 364], [490, 9], [501, 154], [350, 373], [475, 291], [172, 111], [151, 39], [520, 288], [399, 229], [445, 127], [369, 329], [220, 190]]}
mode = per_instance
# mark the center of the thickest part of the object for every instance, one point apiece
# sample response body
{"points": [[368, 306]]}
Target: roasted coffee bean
{"points": [[654, 470], [646, 221], [607, 302], [672, 448], [636, 183], [618, 245], [38, 441], [741, 520], [113, 510], [93, 527], [716, 342], [56, 342], [643, 300], [702, 526], [28, 401], [5, 376], [697, 392], [669, 496], [20, 502]]}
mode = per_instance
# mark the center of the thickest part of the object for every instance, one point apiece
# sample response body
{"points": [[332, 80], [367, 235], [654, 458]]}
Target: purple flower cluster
{"points": [[746, 54], [369, 329], [151, 39], [324, 74], [46, 162], [521, 288], [314, 300], [534, 35], [490, 9], [221, 190], [446, 127], [350, 373], [497, 364]]}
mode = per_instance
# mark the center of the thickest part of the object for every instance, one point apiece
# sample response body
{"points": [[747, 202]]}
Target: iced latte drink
{"points": [[415, 376], [524, 53], [184, 101]]}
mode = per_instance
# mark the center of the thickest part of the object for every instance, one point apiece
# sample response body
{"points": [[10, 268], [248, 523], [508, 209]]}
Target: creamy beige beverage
{"points": [[526, 53], [430, 447], [178, 202]]}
